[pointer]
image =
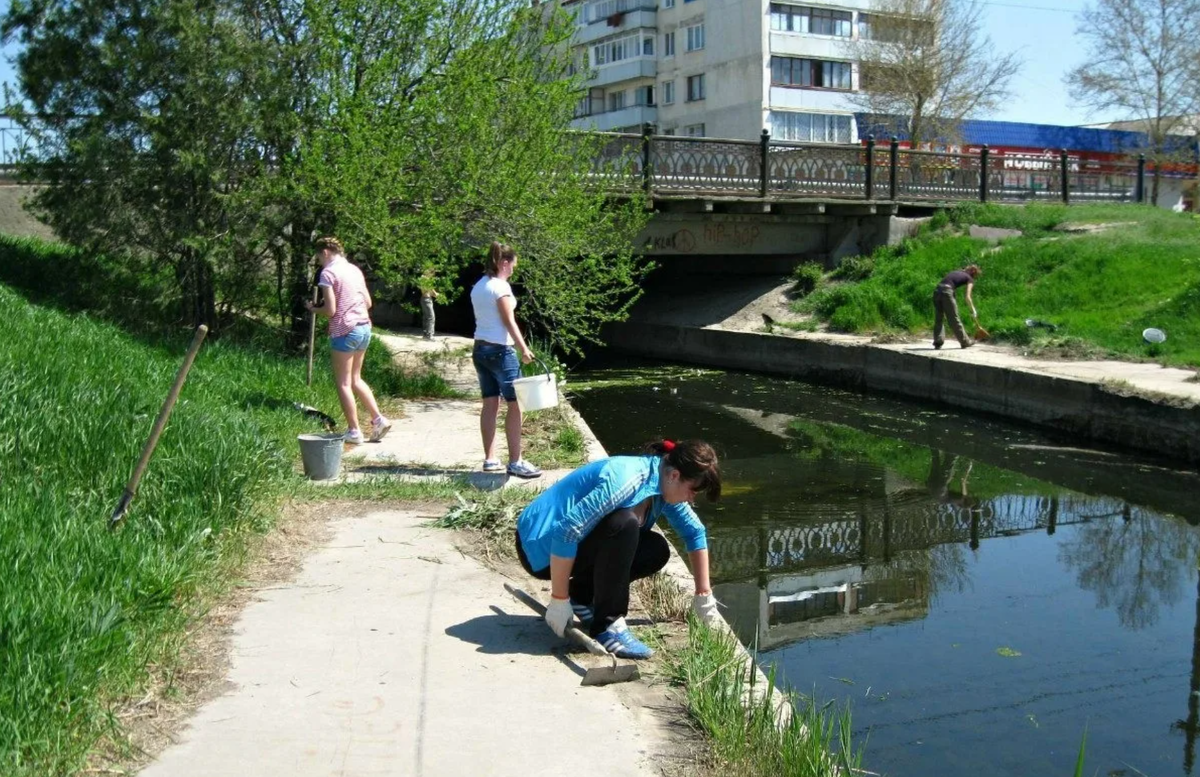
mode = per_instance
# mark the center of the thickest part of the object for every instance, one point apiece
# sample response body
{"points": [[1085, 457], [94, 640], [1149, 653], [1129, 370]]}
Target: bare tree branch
{"points": [[928, 63]]}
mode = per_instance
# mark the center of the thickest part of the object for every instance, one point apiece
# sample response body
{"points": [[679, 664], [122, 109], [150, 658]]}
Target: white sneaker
{"points": [[353, 437], [523, 469], [492, 465], [379, 428]]}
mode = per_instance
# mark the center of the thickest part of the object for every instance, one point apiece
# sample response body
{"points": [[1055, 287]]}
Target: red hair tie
{"points": [[668, 446]]}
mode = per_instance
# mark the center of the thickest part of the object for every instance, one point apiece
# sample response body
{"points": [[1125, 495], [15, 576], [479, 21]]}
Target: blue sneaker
{"points": [[583, 612], [623, 644]]}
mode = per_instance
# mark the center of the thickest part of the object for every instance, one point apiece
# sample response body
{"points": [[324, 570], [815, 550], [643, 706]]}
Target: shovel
{"points": [[601, 675]]}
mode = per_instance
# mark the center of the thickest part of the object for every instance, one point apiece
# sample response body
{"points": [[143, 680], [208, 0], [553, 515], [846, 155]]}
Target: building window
{"points": [[668, 3], [694, 130], [616, 100], [893, 30], [668, 92], [643, 95], [810, 73], [695, 37], [689, 1], [817, 21], [811, 127], [695, 88], [669, 131], [669, 44], [648, 46], [617, 49], [826, 21], [864, 26]]}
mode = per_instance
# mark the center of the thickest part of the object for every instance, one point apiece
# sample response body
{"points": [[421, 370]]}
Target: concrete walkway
{"points": [[392, 653]]}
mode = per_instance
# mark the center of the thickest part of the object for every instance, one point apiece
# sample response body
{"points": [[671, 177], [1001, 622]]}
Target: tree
{"points": [[147, 116], [449, 131], [926, 66], [1142, 61], [209, 141]]}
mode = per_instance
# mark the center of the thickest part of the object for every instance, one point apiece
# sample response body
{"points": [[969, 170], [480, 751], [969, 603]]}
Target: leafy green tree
{"points": [[455, 136], [207, 143], [148, 119]]}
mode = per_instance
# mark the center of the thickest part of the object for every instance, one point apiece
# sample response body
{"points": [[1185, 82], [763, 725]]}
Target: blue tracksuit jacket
{"points": [[558, 520]]}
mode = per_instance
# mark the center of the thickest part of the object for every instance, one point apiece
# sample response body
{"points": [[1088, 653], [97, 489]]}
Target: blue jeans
{"points": [[497, 368], [353, 341]]}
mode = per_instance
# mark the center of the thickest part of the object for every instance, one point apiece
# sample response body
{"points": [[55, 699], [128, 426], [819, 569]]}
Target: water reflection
{"points": [[865, 537], [1133, 565]]}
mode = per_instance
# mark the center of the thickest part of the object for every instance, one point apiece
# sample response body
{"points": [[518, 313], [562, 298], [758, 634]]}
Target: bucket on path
{"points": [[321, 454], [537, 392]]}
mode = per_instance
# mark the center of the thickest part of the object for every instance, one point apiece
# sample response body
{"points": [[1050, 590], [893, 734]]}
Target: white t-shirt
{"points": [[485, 296]]}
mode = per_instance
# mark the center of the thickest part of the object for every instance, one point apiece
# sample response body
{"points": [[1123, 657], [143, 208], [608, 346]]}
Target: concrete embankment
{"points": [[1141, 406]]}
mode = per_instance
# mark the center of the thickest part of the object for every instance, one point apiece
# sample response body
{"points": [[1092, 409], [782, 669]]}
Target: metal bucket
{"points": [[321, 454]]}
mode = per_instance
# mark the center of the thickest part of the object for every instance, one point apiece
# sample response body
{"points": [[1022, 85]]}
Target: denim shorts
{"points": [[497, 368], [353, 341]]}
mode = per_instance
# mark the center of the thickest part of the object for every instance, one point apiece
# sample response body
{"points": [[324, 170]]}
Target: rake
{"points": [[601, 675]]}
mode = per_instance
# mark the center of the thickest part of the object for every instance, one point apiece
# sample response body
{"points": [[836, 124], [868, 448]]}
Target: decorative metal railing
{"points": [[886, 528], [669, 165]]}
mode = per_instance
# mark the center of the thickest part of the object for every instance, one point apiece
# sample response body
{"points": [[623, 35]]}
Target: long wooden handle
{"points": [[159, 423], [593, 647], [312, 336]]}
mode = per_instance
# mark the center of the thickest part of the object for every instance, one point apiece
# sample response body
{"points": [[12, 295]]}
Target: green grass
{"points": [[742, 718], [1101, 290], [88, 615]]}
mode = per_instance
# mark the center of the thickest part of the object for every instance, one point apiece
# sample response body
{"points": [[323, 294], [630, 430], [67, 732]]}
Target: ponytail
{"points": [[696, 462], [497, 253]]}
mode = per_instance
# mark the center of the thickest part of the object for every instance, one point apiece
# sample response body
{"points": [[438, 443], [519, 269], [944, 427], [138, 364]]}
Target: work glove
{"points": [[705, 606], [559, 615]]}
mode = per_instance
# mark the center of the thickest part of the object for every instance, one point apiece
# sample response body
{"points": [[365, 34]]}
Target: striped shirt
{"points": [[350, 294]]}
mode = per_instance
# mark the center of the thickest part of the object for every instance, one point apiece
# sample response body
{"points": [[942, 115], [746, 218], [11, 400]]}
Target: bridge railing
{"points": [[671, 165]]}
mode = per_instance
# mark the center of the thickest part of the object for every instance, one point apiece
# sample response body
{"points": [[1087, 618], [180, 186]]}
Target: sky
{"points": [[1042, 32]]}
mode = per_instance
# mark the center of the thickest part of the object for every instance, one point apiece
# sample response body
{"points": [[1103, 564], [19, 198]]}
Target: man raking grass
{"points": [[946, 307]]}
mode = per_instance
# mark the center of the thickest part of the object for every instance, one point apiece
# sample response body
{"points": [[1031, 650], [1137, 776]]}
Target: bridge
{"points": [[775, 173]]}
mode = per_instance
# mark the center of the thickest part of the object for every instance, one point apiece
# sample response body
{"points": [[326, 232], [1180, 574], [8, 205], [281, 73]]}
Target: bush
{"points": [[855, 268], [808, 278]]}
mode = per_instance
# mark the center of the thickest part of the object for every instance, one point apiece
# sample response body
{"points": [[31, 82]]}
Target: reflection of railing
{"points": [[883, 529], [669, 165]]}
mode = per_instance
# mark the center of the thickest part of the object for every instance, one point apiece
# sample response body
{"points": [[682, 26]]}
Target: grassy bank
{"points": [[1099, 289], [746, 729], [88, 617]]}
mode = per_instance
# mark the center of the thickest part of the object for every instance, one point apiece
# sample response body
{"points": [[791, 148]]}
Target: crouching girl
{"points": [[589, 535]]}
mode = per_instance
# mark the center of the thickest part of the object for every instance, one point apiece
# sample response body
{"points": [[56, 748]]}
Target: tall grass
{"points": [[1101, 290], [749, 735], [85, 612]]}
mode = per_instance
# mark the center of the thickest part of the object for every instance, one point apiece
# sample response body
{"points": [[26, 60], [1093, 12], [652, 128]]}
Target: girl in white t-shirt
{"points": [[496, 332]]}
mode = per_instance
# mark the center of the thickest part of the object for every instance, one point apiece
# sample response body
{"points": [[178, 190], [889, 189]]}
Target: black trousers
{"points": [[613, 555]]}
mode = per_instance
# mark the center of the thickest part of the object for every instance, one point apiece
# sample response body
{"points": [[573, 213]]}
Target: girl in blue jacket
{"points": [[589, 535]]}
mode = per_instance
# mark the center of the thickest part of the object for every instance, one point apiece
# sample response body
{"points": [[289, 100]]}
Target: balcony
{"points": [[642, 16], [625, 70], [633, 115]]}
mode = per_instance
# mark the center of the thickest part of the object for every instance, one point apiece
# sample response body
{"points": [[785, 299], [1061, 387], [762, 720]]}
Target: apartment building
{"points": [[721, 68]]}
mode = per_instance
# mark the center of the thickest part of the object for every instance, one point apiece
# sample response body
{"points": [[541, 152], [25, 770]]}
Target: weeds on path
{"points": [[749, 734]]}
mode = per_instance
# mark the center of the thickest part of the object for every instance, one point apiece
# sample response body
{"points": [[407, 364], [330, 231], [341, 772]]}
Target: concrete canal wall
{"points": [[1108, 409]]}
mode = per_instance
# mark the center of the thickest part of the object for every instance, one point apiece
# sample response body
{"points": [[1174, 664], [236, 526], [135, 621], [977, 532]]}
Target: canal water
{"points": [[980, 593]]}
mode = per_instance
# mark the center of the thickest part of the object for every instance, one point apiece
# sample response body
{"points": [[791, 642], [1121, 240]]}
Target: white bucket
{"points": [[537, 392]]}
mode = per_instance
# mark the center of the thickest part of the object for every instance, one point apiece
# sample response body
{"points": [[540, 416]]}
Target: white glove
{"points": [[705, 606], [559, 615]]}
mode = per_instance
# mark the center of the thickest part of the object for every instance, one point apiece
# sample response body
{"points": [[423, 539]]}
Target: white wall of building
{"points": [[735, 63]]}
